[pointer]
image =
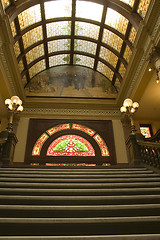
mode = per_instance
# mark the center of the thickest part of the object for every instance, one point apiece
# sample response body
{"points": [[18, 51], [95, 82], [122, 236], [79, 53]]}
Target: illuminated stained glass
{"points": [[5, 3], [32, 36], [58, 28], [116, 20], [35, 53], [143, 7], [70, 145], [129, 2], [58, 128], [61, 8], [102, 145], [117, 84], [17, 49], [145, 131], [87, 30], [13, 29], [29, 16], [85, 46], [24, 80], [59, 45], [112, 40], [108, 56], [71, 164], [132, 35], [89, 10], [122, 70], [83, 60], [127, 53], [102, 68], [36, 68], [21, 66], [38, 145], [83, 129], [59, 60]]}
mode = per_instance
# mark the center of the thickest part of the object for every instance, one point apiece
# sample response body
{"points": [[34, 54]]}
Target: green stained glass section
{"points": [[32, 36], [81, 147], [83, 60], [87, 30], [112, 40], [116, 20], [35, 53], [61, 8], [58, 28], [59, 45], [30, 16], [85, 46], [59, 60], [36, 68], [105, 70], [89, 10], [108, 56]]}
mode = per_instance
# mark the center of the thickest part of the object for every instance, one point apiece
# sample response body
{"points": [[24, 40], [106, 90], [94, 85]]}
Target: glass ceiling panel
{"points": [[108, 56], [35, 53], [85, 46], [117, 84], [127, 54], [24, 80], [13, 29], [21, 66], [58, 28], [61, 8], [132, 35], [106, 71], [59, 60], [89, 10], [122, 70], [29, 16], [83, 60], [32, 36], [143, 7], [112, 40], [129, 2], [59, 45], [17, 49], [36, 68], [87, 30], [116, 20], [5, 3]]}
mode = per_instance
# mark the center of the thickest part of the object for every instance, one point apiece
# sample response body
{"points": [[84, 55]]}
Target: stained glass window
{"points": [[58, 128], [143, 7], [132, 35], [58, 28], [70, 145], [112, 40], [5, 3], [87, 30], [108, 56], [89, 10], [145, 132], [117, 84], [29, 16], [17, 49], [102, 145], [32, 36], [83, 60], [127, 53], [59, 45], [36, 68], [129, 2], [20, 66], [13, 29], [122, 70], [61, 8], [35, 53], [59, 60], [24, 80], [85, 46], [83, 129], [116, 20], [37, 147], [102, 68]]}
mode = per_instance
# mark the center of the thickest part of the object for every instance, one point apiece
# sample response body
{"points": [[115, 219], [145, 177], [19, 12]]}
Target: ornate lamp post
{"points": [[129, 108], [14, 106]]}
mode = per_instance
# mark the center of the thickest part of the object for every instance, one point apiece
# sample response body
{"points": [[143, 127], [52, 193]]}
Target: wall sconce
{"points": [[129, 108], [14, 106]]}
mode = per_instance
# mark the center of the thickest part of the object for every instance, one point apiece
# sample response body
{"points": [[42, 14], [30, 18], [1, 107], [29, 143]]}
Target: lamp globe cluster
{"points": [[129, 106], [14, 104]]}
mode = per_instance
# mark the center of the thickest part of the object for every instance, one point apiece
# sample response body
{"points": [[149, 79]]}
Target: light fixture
{"points": [[129, 108], [154, 57], [14, 106]]}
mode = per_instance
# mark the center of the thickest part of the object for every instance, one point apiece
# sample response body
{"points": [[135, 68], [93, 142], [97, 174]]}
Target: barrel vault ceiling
{"points": [[94, 36]]}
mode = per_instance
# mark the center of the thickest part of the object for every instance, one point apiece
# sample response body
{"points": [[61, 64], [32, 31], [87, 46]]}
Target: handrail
{"points": [[149, 144]]}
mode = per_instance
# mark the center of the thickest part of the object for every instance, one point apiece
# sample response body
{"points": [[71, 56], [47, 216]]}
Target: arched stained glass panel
{"points": [[70, 145]]}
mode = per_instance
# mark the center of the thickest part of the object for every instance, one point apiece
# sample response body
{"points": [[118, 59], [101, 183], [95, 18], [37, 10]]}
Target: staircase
{"points": [[76, 204]]}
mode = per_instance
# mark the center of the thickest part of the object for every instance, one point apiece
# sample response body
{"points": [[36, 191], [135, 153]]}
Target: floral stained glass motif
{"points": [[83, 60], [36, 68], [143, 7], [116, 20], [58, 28], [35, 53], [59, 45], [112, 40], [32, 36], [95, 12], [30, 16], [70, 145], [108, 56], [85, 46], [145, 131], [38, 145], [87, 30], [61, 59], [58, 128], [102, 145], [83, 129], [106, 71], [61, 8]]}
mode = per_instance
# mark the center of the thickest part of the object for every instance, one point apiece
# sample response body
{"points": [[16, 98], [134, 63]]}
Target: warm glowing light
{"points": [[123, 109], [7, 101], [150, 69], [127, 102], [136, 105]]}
